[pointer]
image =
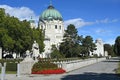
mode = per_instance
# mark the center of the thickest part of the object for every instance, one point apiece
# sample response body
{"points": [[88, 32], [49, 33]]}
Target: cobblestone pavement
{"points": [[104, 70]]}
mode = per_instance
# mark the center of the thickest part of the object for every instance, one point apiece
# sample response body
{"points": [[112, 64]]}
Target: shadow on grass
{"points": [[91, 76]]}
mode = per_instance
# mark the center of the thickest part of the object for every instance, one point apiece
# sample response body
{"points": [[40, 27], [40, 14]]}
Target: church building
{"points": [[51, 23]]}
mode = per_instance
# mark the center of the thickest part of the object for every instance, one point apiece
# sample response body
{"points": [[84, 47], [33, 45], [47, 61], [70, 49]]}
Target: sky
{"points": [[97, 18]]}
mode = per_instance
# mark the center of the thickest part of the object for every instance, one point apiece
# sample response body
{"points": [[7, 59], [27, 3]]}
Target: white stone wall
{"points": [[72, 65], [54, 31], [26, 66]]}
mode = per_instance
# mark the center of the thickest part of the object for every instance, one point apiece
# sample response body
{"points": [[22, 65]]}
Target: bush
{"points": [[46, 67], [43, 65]]}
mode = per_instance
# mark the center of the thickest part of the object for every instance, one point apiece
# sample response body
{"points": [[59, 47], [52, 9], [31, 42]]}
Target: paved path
{"points": [[100, 71]]}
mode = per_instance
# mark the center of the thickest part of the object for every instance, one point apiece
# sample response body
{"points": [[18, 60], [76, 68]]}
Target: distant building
{"points": [[99, 48]]}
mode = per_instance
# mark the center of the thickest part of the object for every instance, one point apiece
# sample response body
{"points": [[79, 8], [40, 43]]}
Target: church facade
{"points": [[51, 23]]}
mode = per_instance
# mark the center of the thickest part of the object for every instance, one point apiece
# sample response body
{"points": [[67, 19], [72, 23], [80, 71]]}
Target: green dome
{"points": [[51, 14]]}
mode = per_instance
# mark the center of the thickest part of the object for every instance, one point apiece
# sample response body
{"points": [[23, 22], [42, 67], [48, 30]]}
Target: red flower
{"points": [[56, 71]]}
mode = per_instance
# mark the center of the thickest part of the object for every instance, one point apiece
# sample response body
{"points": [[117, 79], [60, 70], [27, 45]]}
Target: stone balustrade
{"points": [[76, 64]]}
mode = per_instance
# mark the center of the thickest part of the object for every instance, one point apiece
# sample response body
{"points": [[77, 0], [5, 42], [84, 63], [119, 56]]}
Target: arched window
{"points": [[55, 26]]}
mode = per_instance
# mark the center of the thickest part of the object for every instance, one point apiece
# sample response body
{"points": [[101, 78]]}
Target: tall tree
{"points": [[70, 46], [88, 45], [117, 46], [109, 49]]}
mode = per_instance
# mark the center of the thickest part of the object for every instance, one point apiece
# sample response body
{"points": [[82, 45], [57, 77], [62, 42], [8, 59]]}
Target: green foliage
{"points": [[16, 35], [55, 53], [10, 61], [74, 45], [109, 49], [7, 42], [70, 46], [88, 45], [117, 46], [43, 65]]}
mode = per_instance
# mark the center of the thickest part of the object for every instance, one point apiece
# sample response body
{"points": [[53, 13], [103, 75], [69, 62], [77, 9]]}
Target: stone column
{"points": [[3, 71], [0, 52], [18, 69]]}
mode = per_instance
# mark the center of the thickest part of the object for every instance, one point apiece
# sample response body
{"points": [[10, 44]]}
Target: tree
{"points": [[88, 45], [109, 49], [117, 46], [55, 53], [8, 42], [70, 46], [16, 35]]}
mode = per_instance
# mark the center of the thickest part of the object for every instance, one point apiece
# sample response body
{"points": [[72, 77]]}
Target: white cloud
{"points": [[106, 20], [78, 22], [19, 12], [100, 31], [115, 20]]}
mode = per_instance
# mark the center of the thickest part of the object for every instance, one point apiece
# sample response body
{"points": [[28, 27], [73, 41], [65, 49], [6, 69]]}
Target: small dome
{"points": [[31, 20], [51, 14]]}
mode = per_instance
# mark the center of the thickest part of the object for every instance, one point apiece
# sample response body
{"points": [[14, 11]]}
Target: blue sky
{"points": [[97, 18]]}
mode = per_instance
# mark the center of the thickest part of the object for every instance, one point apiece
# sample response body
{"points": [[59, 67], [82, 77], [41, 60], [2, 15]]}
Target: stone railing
{"points": [[76, 64]]}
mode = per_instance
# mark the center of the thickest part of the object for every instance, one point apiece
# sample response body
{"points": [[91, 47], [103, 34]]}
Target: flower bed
{"points": [[46, 67], [55, 71]]}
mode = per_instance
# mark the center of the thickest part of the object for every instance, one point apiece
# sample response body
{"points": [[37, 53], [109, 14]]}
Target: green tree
{"points": [[8, 42], [55, 53], [2, 16], [16, 35], [117, 46], [88, 45], [38, 36], [70, 46], [109, 49]]}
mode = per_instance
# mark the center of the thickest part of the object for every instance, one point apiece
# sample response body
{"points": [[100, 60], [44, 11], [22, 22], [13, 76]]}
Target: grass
{"points": [[11, 72]]}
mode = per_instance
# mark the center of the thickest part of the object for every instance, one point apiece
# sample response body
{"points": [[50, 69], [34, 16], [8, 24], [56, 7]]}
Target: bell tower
{"points": [[32, 23]]}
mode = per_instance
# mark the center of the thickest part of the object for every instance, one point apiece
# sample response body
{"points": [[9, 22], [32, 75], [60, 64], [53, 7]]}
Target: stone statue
{"points": [[27, 58], [14, 55], [35, 50], [28, 53]]}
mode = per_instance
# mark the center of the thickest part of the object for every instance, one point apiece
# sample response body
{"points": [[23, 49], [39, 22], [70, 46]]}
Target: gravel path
{"points": [[100, 71]]}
